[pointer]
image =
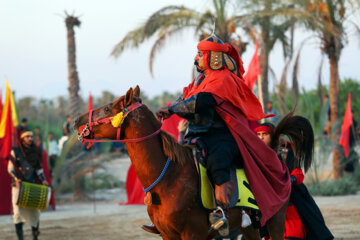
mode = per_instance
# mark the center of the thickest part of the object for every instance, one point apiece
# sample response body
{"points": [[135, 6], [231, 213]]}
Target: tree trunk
{"points": [[334, 109], [264, 55], [71, 22], [264, 66]]}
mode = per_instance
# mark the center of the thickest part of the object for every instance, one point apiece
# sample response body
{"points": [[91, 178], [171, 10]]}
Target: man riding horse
{"points": [[217, 105]]}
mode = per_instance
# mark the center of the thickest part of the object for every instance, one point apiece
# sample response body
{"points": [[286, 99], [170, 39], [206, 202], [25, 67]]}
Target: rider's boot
{"points": [[218, 218], [19, 231], [150, 228]]}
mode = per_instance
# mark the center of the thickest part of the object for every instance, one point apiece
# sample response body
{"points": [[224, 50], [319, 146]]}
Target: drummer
{"points": [[25, 165]]}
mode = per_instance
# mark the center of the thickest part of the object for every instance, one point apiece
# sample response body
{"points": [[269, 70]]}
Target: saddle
{"points": [[242, 196]]}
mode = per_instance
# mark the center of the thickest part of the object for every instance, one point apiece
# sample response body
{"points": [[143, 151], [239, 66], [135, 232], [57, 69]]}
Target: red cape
{"points": [[268, 177], [230, 88]]}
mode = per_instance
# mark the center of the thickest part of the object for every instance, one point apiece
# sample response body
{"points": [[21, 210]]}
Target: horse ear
{"points": [[137, 91], [128, 97]]}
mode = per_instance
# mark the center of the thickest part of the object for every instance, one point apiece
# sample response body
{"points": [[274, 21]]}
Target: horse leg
{"points": [[276, 224], [250, 233]]}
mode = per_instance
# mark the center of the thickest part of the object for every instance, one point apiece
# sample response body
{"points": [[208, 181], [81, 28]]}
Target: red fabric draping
{"points": [[268, 177], [5, 188], [230, 88], [253, 70], [294, 228], [345, 128], [45, 167], [5, 179], [134, 189]]}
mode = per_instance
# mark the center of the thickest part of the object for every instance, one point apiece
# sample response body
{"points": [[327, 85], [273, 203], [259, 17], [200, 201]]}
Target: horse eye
{"points": [[106, 109]]}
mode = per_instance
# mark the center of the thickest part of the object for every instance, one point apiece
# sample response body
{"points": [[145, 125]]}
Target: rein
{"points": [[87, 130]]}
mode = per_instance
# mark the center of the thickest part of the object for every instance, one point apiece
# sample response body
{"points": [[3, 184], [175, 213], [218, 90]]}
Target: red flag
{"points": [[345, 128], [1, 107], [253, 70], [90, 106], [5, 143]]}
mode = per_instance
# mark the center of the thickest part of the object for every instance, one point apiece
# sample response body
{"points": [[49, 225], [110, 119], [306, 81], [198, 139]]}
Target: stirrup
{"points": [[219, 222]]}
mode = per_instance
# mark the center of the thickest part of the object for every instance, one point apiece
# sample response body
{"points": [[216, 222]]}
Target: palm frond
{"points": [[205, 21], [159, 44], [168, 17], [131, 40]]}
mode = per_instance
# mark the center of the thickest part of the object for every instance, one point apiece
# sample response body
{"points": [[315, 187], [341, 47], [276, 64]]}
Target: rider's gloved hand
{"points": [[163, 113]]}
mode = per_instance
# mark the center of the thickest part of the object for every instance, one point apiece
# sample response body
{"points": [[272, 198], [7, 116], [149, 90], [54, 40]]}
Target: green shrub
{"points": [[342, 186], [102, 181]]}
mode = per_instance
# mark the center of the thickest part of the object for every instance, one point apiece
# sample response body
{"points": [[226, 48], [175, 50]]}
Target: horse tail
{"points": [[301, 135]]}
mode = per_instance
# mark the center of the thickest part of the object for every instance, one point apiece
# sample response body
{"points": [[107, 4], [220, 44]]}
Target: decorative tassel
{"points": [[117, 120], [245, 221]]}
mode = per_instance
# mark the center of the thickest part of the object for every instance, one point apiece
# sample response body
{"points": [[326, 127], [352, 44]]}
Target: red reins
{"points": [[87, 130]]}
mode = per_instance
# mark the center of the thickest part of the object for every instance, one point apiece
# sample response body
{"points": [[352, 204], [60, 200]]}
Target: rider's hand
{"points": [[163, 113], [183, 124], [45, 183]]}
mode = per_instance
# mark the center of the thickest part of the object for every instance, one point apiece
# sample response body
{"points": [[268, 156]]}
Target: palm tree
{"points": [[327, 19], [263, 25], [172, 20], [71, 22]]}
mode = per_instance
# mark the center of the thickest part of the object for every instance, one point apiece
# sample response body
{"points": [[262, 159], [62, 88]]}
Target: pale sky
{"points": [[33, 50]]}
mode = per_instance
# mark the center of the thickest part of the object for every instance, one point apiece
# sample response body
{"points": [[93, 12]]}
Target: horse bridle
{"points": [[87, 134]]}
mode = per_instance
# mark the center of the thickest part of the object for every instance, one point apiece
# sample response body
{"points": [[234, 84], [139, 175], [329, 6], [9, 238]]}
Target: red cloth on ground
{"points": [[134, 189], [45, 167], [294, 228], [268, 177]]}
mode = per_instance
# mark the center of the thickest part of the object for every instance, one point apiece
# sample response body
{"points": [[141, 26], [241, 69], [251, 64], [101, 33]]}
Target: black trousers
{"points": [[222, 153]]}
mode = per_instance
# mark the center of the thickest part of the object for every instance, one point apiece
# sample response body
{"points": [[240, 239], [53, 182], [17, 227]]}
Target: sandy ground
{"points": [[109, 220]]}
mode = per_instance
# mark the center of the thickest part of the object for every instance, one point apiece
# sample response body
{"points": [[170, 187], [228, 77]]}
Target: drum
{"points": [[34, 196]]}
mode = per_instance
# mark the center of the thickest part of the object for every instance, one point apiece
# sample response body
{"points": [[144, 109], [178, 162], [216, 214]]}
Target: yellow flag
{"points": [[9, 105]]}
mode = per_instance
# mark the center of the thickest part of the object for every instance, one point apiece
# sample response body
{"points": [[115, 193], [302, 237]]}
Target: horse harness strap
{"points": [[159, 178], [87, 130]]}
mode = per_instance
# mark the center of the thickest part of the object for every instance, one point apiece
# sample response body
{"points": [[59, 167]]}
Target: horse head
{"points": [[108, 120]]}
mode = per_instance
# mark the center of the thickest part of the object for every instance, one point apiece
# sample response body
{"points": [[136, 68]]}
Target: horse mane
{"points": [[301, 134], [173, 150]]}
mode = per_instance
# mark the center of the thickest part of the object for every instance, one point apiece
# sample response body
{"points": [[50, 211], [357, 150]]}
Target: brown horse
{"points": [[176, 210]]}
